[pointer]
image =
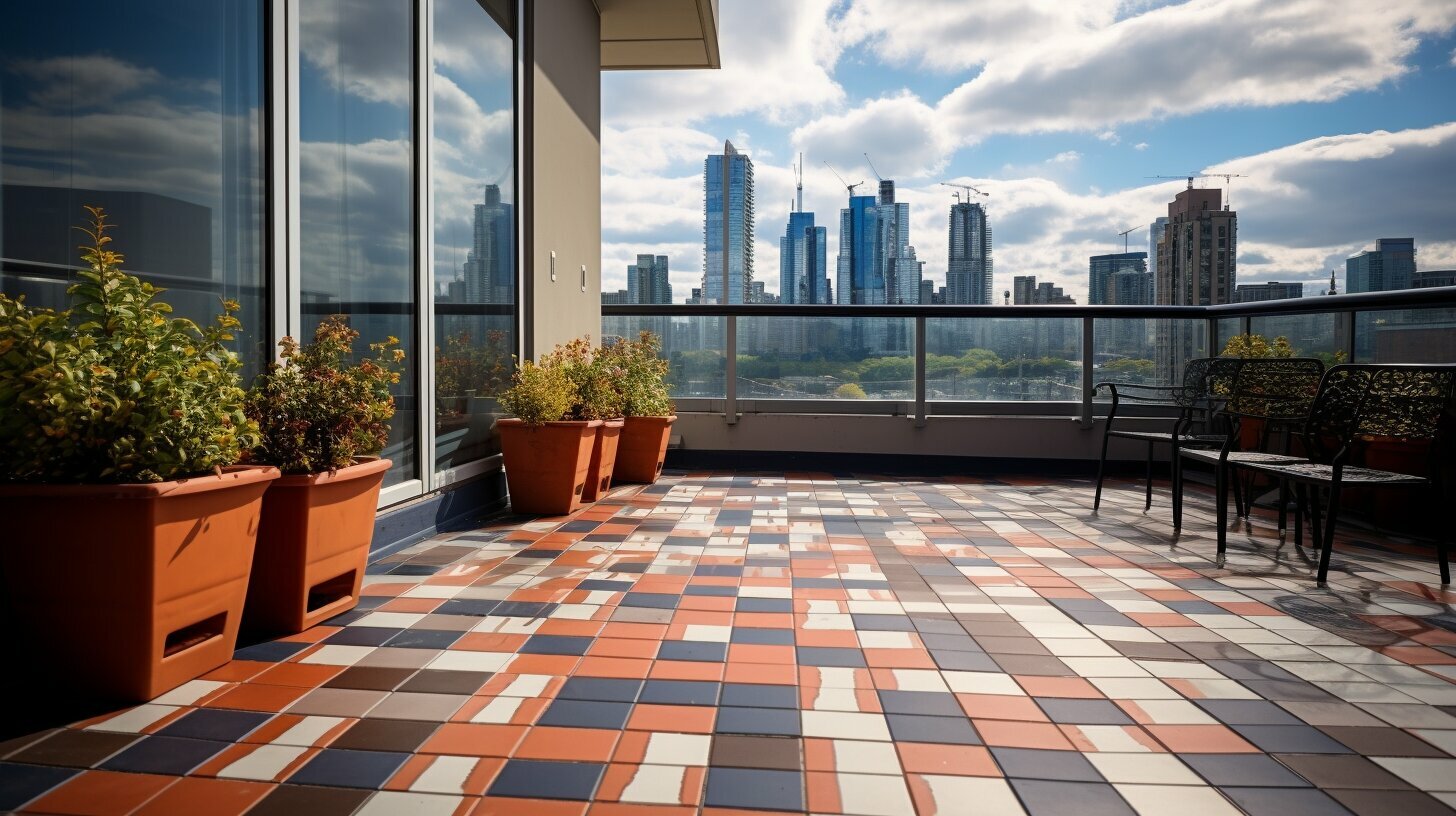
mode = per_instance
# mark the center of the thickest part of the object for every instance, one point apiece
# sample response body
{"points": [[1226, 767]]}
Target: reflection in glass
{"points": [[356, 165], [152, 111], [1126, 349], [472, 150], [1003, 359], [1309, 335], [826, 358], [1406, 336]]}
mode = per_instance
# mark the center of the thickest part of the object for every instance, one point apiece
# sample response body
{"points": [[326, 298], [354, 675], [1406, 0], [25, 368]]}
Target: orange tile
{"points": [[474, 739], [314, 635], [1058, 687], [647, 631], [957, 760], [704, 603], [1013, 734], [686, 616], [822, 792], [624, 647], [1001, 707], [193, 795], [836, 638], [509, 806], [686, 670], [302, 675], [572, 628], [490, 642], [819, 755], [679, 719], [258, 697], [624, 809], [613, 667], [568, 744], [236, 671], [100, 793], [425, 605], [544, 664], [1200, 739]]}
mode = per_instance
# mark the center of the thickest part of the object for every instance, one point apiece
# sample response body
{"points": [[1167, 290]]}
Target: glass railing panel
{"points": [[1228, 327], [1003, 359], [1406, 336], [844, 358], [1317, 334], [692, 345], [1146, 351]]}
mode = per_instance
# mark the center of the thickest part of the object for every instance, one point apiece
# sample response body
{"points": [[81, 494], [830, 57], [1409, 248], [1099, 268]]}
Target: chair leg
{"points": [[1299, 510], [1148, 502], [1445, 566], [1328, 544], [1316, 527], [1221, 489], [1101, 471], [1238, 488], [1177, 490], [1283, 507]]}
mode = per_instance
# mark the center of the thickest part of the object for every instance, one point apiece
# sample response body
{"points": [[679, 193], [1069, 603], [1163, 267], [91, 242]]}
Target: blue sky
{"points": [[1340, 114]]}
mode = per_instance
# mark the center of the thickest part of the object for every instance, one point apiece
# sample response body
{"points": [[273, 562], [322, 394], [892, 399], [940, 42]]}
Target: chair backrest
{"points": [[1412, 403], [1276, 388]]}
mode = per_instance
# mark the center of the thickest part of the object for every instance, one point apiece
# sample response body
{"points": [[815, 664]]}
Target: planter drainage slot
{"points": [[333, 590], [198, 633], [580, 488]]}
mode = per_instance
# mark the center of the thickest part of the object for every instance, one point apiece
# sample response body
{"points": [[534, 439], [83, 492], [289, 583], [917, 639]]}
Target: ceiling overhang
{"points": [[659, 34]]}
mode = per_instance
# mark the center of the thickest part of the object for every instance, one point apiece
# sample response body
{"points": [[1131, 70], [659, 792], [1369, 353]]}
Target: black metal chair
{"points": [[1201, 378], [1410, 403], [1276, 393]]}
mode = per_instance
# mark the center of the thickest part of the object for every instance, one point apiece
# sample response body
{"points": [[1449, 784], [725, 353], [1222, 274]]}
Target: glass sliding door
{"points": [[356, 93], [154, 110], [472, 157]]}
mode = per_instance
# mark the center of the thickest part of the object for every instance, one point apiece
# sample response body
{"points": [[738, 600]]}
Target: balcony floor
{"points": [[809, 642]]}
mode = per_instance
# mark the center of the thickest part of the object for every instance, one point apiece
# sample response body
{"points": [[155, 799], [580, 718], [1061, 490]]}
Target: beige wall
{"points": [[564, 185]]}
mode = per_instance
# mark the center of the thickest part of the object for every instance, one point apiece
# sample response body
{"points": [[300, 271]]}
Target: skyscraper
{"points": [[1026, 292], [969, 272], [1391, 265], [803, 274], [727, 226], [1197, 266], [647, 280], [1155, 234], [1101, 279], [1255, 292], [490, 266], [858, 278]]}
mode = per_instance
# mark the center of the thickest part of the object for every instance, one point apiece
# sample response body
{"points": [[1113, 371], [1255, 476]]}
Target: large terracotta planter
{"points": [[546, 465], [643, 448], [130, 590], [603, 460], [313, 545]]}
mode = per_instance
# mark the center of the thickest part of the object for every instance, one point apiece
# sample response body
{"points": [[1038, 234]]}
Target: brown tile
{"points": [[385, 735], [1149, 651], [1382, 741], [403, 705], [1041, 665], [1385, 803], [436, 681], [290, 800], [338, 702], [74, 749], [1343, 771], [370, 677], [778, 753], [998, 646]]}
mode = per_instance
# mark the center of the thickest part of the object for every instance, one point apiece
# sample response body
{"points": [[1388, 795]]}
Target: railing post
{"points": [[1349, 323], [730, 352], [1089, 356], [1211, 329], [920, 371]]}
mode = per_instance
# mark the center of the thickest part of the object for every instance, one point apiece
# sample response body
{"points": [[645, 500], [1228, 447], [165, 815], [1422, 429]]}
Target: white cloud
{"points": [[951, 36], [900, 133], [1140, 146], [1109, 136], [1196, 56], [362, 47], [778, 61]]}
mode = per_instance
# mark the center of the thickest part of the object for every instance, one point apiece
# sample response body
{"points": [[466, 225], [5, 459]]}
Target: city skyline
{"points": [[1349, 104]]}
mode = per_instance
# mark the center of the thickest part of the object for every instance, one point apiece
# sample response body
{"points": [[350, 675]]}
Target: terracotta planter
{"points": [[313, 544], [1397, 456], [546, 465], [1251, 430], [603, 460], [130, 590], [643, 448]]}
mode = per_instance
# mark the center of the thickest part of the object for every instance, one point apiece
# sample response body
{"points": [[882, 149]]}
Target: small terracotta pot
{"points": [[643, 448], [313, 545], [129, 590], [603, 460], [546, 465]]}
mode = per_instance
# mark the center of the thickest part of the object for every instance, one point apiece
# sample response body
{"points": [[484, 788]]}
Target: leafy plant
{"points": [[114, 389], [1257, 345], [850, 391], [595, 376], [539, 393], [316, 409], [641, 383]]}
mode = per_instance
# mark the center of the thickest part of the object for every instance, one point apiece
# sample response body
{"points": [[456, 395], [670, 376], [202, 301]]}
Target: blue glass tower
{"points": [[727, 226], [803, 277], [861, 277]]}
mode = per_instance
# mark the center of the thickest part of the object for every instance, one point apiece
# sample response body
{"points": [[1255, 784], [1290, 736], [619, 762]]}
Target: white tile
{"points": [[886, 640], [1152, 769], [307, 731], [656, 784], [677, 749], [390, 803], [498, 710], [966, 682], [263, 764], [134, 720], [461, 660], [955, 795], [859, 756], [706, 633], [878, 795], [1135, 688], [189, 692], [527, 685], [397, 620], [918, 680], [1182, 800], [335, 655], [845, 725], [1104, 667], [1426, 774], [447, 774], [1174, 712], [433, 591], [834, 699]]}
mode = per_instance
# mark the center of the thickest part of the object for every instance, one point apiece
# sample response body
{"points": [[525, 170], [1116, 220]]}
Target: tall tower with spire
{"points": [[802, 252]]}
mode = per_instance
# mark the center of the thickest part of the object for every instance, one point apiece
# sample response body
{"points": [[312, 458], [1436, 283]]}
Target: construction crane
{"points": [[1124, 235], [872, 168], [1190, 177], [847, 186], [968, 188], [1227, 181]]}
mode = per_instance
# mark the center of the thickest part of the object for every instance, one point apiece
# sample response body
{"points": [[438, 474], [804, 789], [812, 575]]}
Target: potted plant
{"points": [[599, 395], [547, 451], [129, 532], [643, 447], [322, 421], [1251, 430]]}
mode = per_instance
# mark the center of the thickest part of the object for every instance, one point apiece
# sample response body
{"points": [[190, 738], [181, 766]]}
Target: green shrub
{"points": [[539, 394], [465, 367], [641, 383], [1257, 345], [594, 375], [113, 389], [316, 410], [850, 391]]}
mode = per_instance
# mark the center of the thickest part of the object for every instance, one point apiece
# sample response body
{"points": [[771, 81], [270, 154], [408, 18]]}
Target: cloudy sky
{"points": [[1341, 113]]}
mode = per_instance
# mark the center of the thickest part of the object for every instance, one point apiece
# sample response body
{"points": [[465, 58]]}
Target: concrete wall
{"points": [[563, 184]]}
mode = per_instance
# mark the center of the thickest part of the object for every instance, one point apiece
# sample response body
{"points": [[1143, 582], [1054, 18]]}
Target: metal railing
{"points": [[1351, 321]]}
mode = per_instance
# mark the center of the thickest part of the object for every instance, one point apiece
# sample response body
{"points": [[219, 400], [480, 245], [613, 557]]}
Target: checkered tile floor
{"points": [[721, 643]]}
